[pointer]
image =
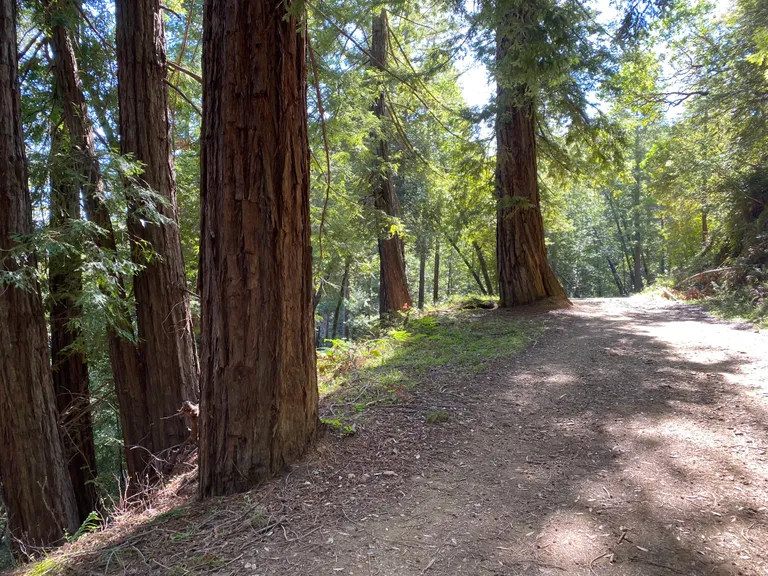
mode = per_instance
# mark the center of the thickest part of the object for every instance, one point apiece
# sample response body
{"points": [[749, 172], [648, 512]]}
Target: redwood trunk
{"points": [[393, 282], [258, 379], [70, 370], [524, 273], [166, 349], [36, 488], [129, 386]]}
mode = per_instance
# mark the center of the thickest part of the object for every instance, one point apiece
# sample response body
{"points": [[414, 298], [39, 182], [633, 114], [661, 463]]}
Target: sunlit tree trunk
{"points": [[258, 378], [393, 289], [36, 487], [483, 267], [524, 273], [70, 370], [166, 348], [129, 386]]}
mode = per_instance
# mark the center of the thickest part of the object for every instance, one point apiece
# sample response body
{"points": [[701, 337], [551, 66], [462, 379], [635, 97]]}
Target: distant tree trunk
{"points": [[622, 239], [616, 278], [704, 226], [636, 191], [259, 381], [345, 333], [422, 276], [483, 267], [36, 488], [524, 273], [468, 264], [436, 273], [166, 348], [129, 386], [393, 289], [70, 370], [342, 294]]}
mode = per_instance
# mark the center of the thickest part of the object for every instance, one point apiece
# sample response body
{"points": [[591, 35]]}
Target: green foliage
{"points": [[436, 416], [91, 524]]}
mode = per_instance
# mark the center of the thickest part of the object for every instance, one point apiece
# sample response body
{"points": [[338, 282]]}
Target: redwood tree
{"points": [[70, 370], [524, 272], [166, 348], [36, 487], [393, 282], [258, 378], [129, 385]]}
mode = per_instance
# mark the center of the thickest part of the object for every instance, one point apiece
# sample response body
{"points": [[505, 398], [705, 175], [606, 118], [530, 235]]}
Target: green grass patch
{"points": [[436, 416], [354, 376]]}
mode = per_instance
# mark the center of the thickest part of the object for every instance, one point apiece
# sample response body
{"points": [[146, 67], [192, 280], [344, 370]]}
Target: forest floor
{"points": [[628, 438]]}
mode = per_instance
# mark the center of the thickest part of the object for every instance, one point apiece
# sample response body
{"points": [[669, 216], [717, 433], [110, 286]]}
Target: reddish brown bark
{"points": [[37, 491], [167, 351], [258, 378], [129, 386], [524, 273], [70, 370], [393, 282]]}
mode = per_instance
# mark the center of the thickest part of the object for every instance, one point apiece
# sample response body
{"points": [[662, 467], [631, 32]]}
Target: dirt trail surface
{"points": [[630, 439]]}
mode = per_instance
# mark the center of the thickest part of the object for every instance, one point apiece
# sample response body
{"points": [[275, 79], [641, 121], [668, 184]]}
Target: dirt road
{"points": [[630, 439]]}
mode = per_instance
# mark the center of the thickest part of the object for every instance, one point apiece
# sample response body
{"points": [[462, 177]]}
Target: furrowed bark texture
{"points": [[524, 273], [70, 370], [393, 282], [129, 386], [36, 488], [258, 378], [166, 348]]}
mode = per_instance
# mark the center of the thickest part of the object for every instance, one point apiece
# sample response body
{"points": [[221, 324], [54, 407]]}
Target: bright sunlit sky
{"points": [[474, 81]]}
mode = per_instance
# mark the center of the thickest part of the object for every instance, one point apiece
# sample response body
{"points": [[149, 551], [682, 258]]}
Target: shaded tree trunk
{"points": [[436, 273], [393, 290], [422, 275], [343, 289], [638, 238], [70, 370], [524, 273], [622, 239], [483, 267], [129, 386], [469, 266], [258, 382], [36, 487], [166, 348]]}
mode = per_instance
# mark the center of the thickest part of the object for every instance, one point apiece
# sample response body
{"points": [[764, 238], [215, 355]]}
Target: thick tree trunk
{"points": [[129, 386], [167, 351], [36, 488], [258, 382], [483, 267], [524, 273], [393, 289], [70, 370], [422, 276], [436, 273]]}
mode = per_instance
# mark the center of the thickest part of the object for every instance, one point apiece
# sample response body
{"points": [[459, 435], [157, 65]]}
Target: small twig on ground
{"points": [[592, 562], [428, 566], [227, 564]]}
